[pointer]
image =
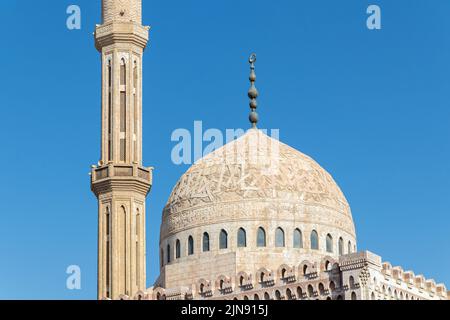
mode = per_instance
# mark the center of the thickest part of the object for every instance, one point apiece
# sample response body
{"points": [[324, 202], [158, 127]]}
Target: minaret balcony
{"points": [[118, 176]]}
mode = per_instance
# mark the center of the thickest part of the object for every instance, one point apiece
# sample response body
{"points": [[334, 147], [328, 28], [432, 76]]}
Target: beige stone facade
{"points": [[255, 219]]}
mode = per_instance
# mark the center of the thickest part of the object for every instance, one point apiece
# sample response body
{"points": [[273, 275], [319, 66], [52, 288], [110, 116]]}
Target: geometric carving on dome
{"points": [[249, 172]]}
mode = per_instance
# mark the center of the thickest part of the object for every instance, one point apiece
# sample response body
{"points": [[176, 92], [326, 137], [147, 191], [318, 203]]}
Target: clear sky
{"points": [[372, 107]]}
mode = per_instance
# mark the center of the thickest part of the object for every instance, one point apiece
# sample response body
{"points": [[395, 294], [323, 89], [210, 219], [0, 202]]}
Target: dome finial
{"points": [[253, 92]]}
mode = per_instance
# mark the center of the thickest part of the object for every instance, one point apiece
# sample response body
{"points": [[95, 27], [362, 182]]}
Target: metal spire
{"points": [[253, 92]]}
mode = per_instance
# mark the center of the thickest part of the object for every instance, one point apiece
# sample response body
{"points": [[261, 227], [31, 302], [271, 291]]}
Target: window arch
{"points": [[261, 237], [177, 249], [341, 246], [190, 246], [223, 239], [310, 291], [351, 282], [168, 253], [332, 286], [349, 247], [279, 238], [277, 295], [314, 240], [205, 242], [329, 243], [298, 239], [299, 293], [353, 295], [242, 238], [321, 289], [289, 294], [241, 281]]}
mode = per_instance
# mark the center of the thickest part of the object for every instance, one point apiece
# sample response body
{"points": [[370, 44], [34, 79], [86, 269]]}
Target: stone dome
{"points": [[254, 182]]}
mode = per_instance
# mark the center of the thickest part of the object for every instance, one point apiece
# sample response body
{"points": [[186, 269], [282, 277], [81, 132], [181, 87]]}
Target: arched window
{"points": [[349, 247], [289, 294], [242, 238], [321, 288], [241, 281], [177, 249], [168, 253], [353, 296], [299, 293], [329, 243], [256, 297], [223, 240], [310, 291], [298, 239], [261, 237], [266, 296], [205, 242], [351, 282], [190, 245], [332, 286], [279, 238], [314, 240], [161, 257], [372, 296], [277, 295], [341, 246]]}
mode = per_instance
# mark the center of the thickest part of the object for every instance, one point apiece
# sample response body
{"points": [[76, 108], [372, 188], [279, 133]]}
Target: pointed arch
{"points": [[223, 239], [261, 237], [190, 245], [242, 238], [341, 246], [298, 239], [279, 238], [205, 242], [177, 249], [329, 243], [168, 253], [314, 240]]}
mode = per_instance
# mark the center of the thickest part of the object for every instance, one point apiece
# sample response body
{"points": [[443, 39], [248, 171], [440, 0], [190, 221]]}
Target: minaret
{"points": [[120, 182]]}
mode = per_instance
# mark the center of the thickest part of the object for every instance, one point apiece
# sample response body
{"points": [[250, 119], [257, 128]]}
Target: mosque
{"points": [[253, 220]]}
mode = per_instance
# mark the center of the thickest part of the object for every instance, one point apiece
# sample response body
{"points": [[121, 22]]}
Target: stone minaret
{"points": [[120, 182]]}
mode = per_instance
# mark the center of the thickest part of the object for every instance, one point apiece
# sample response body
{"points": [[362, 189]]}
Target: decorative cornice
{"points": [[121, 32], [121, 178]]}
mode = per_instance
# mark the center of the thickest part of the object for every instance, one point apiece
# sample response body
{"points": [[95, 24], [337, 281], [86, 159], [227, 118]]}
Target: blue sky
{"points": [[372, 107]]}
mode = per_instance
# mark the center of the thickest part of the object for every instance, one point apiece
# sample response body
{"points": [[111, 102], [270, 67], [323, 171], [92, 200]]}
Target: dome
{"points": [[254, 182]]}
